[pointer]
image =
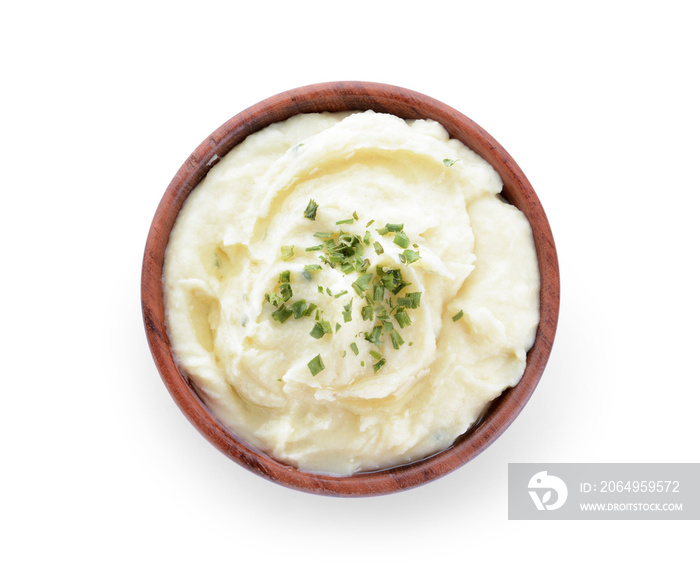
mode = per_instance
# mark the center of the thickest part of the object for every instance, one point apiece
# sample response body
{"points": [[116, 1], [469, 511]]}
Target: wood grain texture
{"points": [[342, 96]]}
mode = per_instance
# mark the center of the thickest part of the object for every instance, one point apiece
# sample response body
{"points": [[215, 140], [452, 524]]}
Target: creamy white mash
{"points": [[349, 291]]}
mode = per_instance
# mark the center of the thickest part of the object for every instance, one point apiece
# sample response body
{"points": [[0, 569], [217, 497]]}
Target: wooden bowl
{"points": [[342, 96]]}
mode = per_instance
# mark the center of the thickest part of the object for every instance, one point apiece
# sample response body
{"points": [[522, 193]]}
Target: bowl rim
{"points": [[332, 97]]}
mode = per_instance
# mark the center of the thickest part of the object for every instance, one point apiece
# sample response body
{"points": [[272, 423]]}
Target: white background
{"points": [[103, 476]]}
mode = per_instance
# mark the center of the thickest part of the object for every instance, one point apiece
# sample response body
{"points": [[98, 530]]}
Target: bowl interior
{"points": [[335, 97]]}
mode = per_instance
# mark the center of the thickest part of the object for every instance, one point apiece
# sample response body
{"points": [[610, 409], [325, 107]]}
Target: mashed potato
{"points": [[349, 291]]}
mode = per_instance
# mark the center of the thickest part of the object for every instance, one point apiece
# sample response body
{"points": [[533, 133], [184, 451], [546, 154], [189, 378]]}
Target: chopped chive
{"points": [[402, 318], [394, 228], [369, 223], [354, 348], [375, 335], [274, 299], [320, 328], [377, 291], [411, 256], [354, 216], [391, 279], [328, 290], [310, 211], [282, 314], [347, 312], [287, 252], [378, 248], [284, 277], [362, 363], [316, 365], [396, 339], [299, 308], [415, 299], [343, 292], [411, 300], [402, 258], [367, 313], [401, 240], [377, 366], [310, 309], [313, 267], [315, 248], [345, 222], [362, 283], [375, 354], [286, 292], [306, 275], [458, 316], [449, 162], [317, 331], [383, 231], [321, 235], [320, 289], [366, 238], [337, 326]]}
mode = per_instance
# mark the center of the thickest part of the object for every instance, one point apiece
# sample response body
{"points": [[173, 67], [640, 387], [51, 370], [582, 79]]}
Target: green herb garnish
{"points": [[286, 292], [410, 256], [396, 339], [401, 240], [301, 309], [375, 335], [410, 300], [402, 318], [362, 283], [320, 329], [342, 250], [458, 316], [449, 162], [287, 252], [282, 314], [310, 211], [347, 312], [316, 365]]}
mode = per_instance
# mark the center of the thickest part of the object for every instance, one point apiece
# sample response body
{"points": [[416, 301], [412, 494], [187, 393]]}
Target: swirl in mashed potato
{"points": [[316, 399]]}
